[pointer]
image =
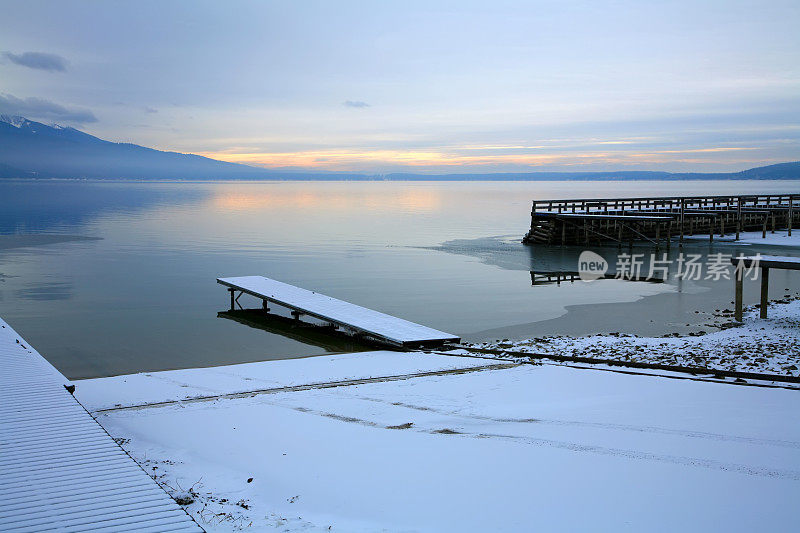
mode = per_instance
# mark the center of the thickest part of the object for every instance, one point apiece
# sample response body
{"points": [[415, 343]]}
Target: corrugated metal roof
{"points": [[60, 470]]}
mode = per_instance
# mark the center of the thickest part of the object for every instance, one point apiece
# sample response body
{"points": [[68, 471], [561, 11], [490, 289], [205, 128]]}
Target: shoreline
{"points": [[768, 346]]}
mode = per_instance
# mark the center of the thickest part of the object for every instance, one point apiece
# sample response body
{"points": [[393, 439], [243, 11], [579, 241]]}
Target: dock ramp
{"points": [[383, 328], [59, 468]]}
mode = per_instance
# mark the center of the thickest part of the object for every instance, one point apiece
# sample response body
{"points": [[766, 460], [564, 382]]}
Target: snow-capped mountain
{"points": [[15, 120]]}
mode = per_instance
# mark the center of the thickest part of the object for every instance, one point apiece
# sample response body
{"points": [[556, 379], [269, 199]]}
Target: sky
{"points": [[424, 87]]}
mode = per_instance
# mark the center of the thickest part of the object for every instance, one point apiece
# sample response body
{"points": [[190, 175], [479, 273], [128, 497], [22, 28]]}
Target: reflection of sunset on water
{"points": [[238, 199]]}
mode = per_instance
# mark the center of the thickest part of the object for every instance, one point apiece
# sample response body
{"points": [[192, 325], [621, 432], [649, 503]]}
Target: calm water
{"points": [[110, 278]]}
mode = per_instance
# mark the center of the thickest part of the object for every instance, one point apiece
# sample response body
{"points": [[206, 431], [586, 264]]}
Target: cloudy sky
{"points": [[422, 86]]}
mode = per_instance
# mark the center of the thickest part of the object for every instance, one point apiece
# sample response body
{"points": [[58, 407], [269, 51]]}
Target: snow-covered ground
{"points": [[769, 345], [779, 238], [200, 383], [530, 447]]}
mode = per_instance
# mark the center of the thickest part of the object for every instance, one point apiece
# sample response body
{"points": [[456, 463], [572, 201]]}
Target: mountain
{"points": [[781, 171], [30, 149], [35, 149]]}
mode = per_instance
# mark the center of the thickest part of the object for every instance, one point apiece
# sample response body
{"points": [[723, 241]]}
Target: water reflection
{"points": [[543, 277], [24, 241], [32, 206], [243, 197], [327, 338], [693, 262], [46, 292]]}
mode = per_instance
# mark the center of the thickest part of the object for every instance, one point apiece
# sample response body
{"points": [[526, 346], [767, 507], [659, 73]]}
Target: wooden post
{"points": [[683, 209], [233, 301], [764, 291], [791, 213], [764, 229], [773, 222], [738, 218], [738, 276], [563, 233], [265, 305], [711, 231], [669, 233]]}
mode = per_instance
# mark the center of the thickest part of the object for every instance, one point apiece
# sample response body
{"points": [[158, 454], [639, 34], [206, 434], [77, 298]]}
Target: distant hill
{"points": [[781, 171], [30, 149]]}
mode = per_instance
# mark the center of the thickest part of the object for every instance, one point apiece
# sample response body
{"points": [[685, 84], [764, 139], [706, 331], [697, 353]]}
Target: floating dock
{"points": [[657, 219], [360, 321], [59, 468]]}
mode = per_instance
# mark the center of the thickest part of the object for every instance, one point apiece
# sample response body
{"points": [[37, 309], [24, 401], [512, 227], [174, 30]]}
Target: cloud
{"points": [[148, 109], [355, 103], [39, 61], [40, 108]]}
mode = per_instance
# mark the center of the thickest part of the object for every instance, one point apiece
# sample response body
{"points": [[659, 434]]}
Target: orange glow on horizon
{"points": [[351, 160]]}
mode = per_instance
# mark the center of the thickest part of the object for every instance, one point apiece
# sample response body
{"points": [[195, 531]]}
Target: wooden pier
{"points": [[338, 314], [658, 220]]}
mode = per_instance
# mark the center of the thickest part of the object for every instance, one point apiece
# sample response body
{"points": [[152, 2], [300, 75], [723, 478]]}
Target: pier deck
{"points": [[60, 470], [383, 328]]}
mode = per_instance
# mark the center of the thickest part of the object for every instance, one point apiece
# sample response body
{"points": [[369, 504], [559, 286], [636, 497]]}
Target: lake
{"points": [[105, 278]]}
